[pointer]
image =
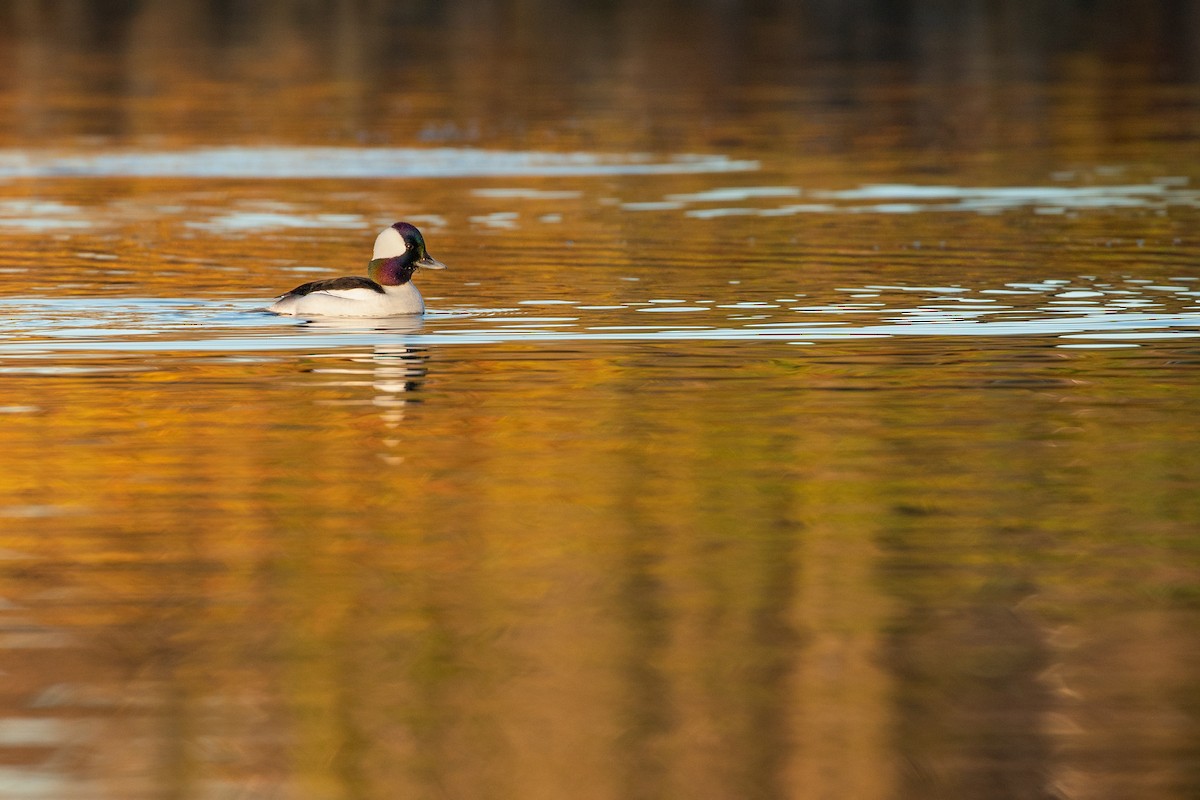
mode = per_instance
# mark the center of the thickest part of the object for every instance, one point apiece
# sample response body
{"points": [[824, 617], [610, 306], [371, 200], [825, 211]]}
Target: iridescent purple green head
{"points": [[399, 251]]}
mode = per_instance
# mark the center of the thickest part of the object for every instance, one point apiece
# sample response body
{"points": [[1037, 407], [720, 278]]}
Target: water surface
{"points": [[809, 409]]}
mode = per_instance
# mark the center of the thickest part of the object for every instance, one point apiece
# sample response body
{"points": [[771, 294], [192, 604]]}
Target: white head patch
{"points": [[389, 244]]}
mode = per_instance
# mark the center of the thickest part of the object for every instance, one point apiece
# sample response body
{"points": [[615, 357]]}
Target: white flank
{"points": [[395, 301]]}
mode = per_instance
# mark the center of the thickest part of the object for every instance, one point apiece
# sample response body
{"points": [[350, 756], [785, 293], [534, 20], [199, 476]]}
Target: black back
{"points": [[336, 283]]}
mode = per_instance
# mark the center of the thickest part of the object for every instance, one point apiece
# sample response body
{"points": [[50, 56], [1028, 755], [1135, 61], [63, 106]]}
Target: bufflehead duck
{"points": [[387, 291]]}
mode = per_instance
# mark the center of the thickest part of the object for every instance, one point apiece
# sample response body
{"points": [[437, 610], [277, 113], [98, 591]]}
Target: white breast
{"points": [[395, 301]]}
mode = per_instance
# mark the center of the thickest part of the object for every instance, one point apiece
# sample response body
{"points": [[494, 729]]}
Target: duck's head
{"points": [[404, 241]]}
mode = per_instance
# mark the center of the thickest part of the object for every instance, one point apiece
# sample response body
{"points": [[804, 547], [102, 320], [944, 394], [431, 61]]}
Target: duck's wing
{"points": [[335, 285]]}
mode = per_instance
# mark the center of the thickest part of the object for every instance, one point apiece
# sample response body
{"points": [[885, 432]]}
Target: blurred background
{"points": [[946, 82]]}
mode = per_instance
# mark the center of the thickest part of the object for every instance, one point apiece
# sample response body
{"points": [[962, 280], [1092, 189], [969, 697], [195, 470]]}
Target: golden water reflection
{"points": [[422, 572], [617, 519]]}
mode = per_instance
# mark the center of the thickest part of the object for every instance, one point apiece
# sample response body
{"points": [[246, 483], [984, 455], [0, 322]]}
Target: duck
{"points": [[386, 291]]}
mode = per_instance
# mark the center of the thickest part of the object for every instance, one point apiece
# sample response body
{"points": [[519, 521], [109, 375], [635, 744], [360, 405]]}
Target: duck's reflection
{"points": [[394, 371], [408, 323]]}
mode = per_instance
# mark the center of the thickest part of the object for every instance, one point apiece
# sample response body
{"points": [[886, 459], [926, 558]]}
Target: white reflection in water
{"points": [[502, 220], [1131, 309], [527, 194], [888, 198], [733, 194], [41, 215], [267, 220], [371, 163], [278, 163]]}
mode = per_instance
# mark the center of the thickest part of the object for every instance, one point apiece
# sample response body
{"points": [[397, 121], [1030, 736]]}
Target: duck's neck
{"points": [[390, 271]]}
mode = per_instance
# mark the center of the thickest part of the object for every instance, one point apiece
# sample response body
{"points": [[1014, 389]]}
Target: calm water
{"points": [[811, 408]]}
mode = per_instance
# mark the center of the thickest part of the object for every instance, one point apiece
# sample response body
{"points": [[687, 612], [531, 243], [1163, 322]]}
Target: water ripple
{"points": [[1130, 311], [904, 198]]}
